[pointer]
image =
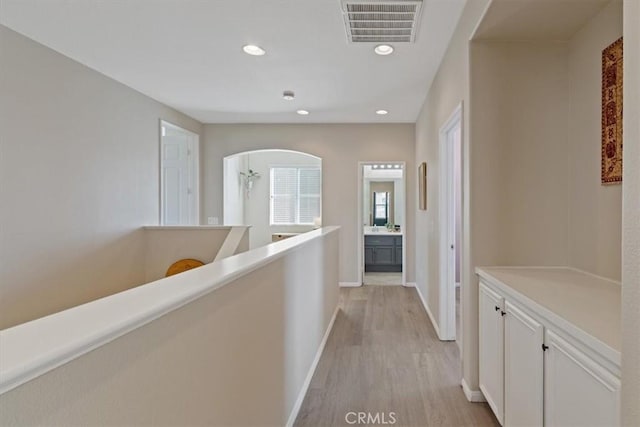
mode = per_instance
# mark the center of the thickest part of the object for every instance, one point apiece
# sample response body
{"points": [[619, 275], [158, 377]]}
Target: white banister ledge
{"points": [[193, 227], [36, 347]]}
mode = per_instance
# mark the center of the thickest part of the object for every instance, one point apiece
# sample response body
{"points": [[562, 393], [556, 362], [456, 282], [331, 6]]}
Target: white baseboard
{"points": [[426, 307], [349, 284], [472, 395], [411, 284], [312, 369]]}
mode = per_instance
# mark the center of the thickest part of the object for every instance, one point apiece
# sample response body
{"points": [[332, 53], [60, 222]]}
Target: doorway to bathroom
{"points": [[381, 223]]}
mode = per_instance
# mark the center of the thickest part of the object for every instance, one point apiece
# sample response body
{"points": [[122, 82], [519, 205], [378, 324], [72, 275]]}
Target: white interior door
{"points": [[178, 176], [450, 138]]}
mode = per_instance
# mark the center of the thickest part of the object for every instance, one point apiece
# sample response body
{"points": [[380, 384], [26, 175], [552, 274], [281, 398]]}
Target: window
{"points": [[295, 195], [380, 208]]}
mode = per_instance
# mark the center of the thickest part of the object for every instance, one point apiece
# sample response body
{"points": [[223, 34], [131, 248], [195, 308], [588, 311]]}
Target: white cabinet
{"points": [[534, 373], [577, 391], [492, 349], [523, 368]]}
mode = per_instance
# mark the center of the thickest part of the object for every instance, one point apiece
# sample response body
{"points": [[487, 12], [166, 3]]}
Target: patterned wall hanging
{"points": [[611, 171]]}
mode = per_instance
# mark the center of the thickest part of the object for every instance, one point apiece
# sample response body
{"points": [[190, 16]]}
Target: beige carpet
{"points": [[383, 279]]}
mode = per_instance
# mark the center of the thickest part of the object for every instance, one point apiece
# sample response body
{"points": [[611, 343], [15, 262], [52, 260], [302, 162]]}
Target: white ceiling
{"points": [[187, 54], [537, 19]]}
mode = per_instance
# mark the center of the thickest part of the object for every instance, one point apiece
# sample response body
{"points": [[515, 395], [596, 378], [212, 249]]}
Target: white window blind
{"points": [[295, 195]]}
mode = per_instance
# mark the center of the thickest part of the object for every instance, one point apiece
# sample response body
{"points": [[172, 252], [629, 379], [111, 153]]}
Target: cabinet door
{"points": [[492, 349], [577, 390], [368, 255], [523, 368], [384, 255], [398, 255]]}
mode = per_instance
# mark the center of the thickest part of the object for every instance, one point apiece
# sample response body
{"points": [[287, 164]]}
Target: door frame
{"points": [[194, 170], [360, 222], [447, 228]]}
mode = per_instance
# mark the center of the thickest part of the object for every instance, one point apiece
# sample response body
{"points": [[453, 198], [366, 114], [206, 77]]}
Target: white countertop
{"points": [[591, 303], [382, 231]]}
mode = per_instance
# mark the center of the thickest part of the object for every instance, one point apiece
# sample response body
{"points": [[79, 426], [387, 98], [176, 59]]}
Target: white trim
{"points": [[232, 242], [447, 300], [34, 348], [431, 318], [350, 284], [410, 285], [360, 224], [312, 369], [472, 395], [192, 227]]}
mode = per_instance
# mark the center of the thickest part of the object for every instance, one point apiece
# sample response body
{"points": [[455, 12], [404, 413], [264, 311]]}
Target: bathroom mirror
{"points": [[382, 193]]}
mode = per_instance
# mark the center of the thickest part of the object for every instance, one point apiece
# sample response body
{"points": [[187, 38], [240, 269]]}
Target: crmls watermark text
{"points": [[380, 418]]}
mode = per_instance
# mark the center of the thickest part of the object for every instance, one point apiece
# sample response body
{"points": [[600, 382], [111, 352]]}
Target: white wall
{"points": [[449, 88], [631, 219], [234, 190], [79, 174], [340, 147], [520, 153], [236, 355], [595, 210]]}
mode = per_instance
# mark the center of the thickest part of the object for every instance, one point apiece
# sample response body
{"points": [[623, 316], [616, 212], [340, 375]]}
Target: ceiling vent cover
{"points": [[381, 21]]}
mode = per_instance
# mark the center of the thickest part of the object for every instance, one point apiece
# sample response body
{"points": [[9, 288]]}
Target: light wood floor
{"points": [[383, 279], [383, 356]]}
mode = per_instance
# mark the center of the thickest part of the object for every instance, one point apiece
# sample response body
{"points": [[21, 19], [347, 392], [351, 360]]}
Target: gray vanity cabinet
{"points": [[368, 255], [382, 253]]}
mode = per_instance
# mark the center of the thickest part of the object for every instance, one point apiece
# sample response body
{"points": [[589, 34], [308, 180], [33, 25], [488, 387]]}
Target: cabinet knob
{"points": [[497, 308], [544, 347], [504, 313]]}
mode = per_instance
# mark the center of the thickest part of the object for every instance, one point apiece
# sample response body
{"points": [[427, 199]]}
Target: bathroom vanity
{"points": [[382, 250]]}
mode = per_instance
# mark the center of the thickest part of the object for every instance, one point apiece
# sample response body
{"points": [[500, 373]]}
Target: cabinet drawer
{"points": [[379, 240]]}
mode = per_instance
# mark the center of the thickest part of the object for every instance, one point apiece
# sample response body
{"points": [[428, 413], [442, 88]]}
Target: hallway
{"points": [[383, 356]]}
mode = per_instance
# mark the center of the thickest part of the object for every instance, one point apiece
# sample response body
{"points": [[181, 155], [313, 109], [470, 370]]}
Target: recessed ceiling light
{"points": [[383, 49], [288, 95], [381, 166], [382, 112], [389, 166], [303, 112], [254, 50], [375, 166]]}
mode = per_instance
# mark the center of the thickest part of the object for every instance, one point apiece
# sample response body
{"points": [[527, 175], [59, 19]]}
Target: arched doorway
{"points": [[277, 192]]}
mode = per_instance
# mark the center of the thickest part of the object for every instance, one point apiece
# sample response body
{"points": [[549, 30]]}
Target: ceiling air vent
{"points": [[381, 21]]}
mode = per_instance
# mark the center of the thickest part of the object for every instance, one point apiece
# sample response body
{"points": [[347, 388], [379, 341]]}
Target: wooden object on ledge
{"points": [[183, 265]]}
